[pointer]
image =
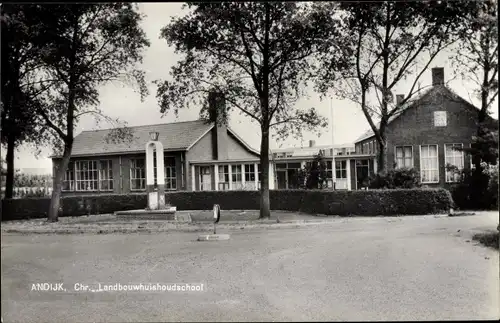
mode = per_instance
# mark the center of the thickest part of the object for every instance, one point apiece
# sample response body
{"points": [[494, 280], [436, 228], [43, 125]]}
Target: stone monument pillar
{"points": [[156, 196]]}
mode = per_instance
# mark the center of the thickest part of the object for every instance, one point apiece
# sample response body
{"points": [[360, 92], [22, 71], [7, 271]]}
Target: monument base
{"points": [[167, 213]]}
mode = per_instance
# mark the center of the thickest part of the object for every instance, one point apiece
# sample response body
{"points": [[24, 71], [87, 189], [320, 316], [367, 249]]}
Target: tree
{"points": [[389, 41], [476, 59], [314, 174], [259, 55], [19, 98], [85, 46]]}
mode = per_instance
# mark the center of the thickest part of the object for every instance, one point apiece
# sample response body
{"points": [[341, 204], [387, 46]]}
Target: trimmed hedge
{"points": [[35, 208], [362, 203]]}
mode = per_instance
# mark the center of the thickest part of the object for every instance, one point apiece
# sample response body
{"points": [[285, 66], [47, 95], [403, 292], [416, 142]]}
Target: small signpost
{"points": [[216, 215], [215, 236]]}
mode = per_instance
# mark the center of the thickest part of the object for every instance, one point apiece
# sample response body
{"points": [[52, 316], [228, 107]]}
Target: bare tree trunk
{"points": [[381, 157], [9, 180], [57, 185], [265, 205]]}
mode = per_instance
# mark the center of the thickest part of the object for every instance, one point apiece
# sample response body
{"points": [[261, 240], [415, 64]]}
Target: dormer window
{"points": [[440, 119]]}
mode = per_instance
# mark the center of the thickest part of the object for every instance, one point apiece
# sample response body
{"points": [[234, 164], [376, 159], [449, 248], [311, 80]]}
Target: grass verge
{"points": [[489, 239]]}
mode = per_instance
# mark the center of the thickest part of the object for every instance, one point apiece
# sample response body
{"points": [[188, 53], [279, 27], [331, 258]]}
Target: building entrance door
{"points": [[293, 178], [281, 177], [362, 173]]}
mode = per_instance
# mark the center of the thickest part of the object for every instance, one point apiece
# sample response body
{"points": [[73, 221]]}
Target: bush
{"points": [[362, 203], [493, 186], [395, 178], [477, 190]]}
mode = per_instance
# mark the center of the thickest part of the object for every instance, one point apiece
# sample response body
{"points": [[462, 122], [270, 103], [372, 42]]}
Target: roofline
{"points": [[349, 145], [467, 103], [117, 153], [364, 138], [243, 142], [203, 135], [410, 105], [145, 125]]}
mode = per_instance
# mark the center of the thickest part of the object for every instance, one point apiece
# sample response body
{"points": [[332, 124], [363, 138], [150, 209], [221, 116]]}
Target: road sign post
{"points": [[216, 215]]}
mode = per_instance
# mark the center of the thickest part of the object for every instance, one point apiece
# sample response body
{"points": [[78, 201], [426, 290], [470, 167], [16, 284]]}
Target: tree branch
{"points": [[492, 99], [51, 124]]}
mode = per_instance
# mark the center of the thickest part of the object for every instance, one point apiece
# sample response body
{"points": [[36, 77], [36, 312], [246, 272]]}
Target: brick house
{"points": [[426, 131]]}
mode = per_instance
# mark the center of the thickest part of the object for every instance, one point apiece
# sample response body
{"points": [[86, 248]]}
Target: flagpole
{"points": [[334, 172]]}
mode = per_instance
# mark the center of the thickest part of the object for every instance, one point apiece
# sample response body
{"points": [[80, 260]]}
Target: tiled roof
{"points": [[173, 136], [369, 133], [412, 103]]}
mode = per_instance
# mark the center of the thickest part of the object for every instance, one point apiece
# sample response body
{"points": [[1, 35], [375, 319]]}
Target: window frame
{"points": [[235, 174], [225, 184], [421, 168], [109, 178], [250, 173], [88, 172], [445, 113], [342, 170], [446, 162], [169, 169], [259, 175], [135, 172], [404, 156], [72, 182]]}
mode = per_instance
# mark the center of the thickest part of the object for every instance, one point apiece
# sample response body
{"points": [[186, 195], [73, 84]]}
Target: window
{"points": [[404, 156], [137, 174], [89, 175], [259, 174], [250, 177], [250, 173], [223, 177], [341, 169], [86, 175], [68, 183], [170, 173], [329, 169], [440, 119], [236, 177], [106, 175], [453, 157], [429, 164]]}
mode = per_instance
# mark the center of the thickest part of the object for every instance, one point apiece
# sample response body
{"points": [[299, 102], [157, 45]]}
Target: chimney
{"points": [[311, 143], [218, 115], [437, 76], [399, 98]]}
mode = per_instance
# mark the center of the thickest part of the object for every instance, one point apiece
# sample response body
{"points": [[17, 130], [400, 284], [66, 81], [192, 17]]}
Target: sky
{"points": [[121, 102]]}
